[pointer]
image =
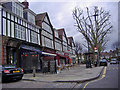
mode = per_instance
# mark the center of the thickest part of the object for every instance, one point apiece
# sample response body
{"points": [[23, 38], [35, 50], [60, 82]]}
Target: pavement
{"points": [[77, 73]]}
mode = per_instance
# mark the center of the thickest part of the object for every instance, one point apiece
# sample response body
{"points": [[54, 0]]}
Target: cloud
{"points": [[71, 0]]}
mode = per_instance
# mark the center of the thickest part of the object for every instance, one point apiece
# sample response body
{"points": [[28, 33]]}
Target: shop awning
{"points": [[61, 55], [48, 54], [31, 49], [73, 56]]}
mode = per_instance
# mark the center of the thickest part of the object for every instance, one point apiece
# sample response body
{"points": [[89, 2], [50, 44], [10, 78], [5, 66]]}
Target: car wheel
{"points": [[20, 78]]}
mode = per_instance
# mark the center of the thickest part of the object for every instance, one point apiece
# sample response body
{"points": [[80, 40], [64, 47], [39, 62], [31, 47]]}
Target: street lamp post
{"points": [[89, 61]]}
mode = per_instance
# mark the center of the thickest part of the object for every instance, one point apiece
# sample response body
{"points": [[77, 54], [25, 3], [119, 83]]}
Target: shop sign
{"points": [[30, 48]]}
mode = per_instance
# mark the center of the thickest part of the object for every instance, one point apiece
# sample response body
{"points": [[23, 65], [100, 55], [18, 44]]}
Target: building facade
{"points": [[71, 48], [19, 36], [47, 42], [28, 40]]}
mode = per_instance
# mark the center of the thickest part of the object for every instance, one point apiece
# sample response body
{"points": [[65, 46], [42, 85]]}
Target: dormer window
{"points": [[29, 15], [15, 7]]}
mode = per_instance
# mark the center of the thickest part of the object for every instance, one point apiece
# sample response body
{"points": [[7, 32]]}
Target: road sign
{"points": [[96, 49]]}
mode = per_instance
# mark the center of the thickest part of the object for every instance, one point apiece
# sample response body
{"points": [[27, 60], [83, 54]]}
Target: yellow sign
{"points": [[16, 71]]}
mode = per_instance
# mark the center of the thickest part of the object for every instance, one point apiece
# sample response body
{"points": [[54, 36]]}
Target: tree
{"points": [[94, 25], [115, 46], [78, 50]]}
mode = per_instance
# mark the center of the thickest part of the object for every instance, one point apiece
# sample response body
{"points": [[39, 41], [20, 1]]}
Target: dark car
{"points": [[103, 62], [10, 72]]}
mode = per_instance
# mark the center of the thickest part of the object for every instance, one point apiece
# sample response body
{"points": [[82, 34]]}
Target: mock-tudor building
{"points": [[19, 37], [71, 48], [29, 41], [47, 42]]}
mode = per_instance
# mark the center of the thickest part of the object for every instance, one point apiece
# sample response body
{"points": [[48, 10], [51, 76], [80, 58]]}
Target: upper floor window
{"points": [[56, 33], [47, 34], [64, 39], [31, 18], [19, 32], [46, 27], [64, 48], [34, 37], [58, 45], [17, 9]]}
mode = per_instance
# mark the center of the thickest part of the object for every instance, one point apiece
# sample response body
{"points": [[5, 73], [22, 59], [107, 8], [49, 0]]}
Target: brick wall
{"points": [[5, 39]]}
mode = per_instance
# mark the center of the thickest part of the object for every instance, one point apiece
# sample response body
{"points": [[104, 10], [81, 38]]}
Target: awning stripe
{"points": [[45, 53]]}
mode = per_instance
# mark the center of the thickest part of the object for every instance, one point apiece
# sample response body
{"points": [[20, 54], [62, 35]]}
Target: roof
{"points": [[40, 16], [60, 33]]}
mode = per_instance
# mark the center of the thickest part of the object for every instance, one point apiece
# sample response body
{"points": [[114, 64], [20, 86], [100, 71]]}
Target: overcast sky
{"points": [[60, 14]]}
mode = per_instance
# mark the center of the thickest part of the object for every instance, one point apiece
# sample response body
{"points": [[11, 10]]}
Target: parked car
{"points": [[10, 72], [103, 62], [114, 61]]}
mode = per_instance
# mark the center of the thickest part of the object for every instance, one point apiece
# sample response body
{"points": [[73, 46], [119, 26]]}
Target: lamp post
{"points": [[87, 34]]}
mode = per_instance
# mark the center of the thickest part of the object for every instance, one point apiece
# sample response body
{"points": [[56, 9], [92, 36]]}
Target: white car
{"points": [[113, 61]]}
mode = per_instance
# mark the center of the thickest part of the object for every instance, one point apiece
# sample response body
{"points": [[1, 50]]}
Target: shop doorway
{"points": [[11, 56]]}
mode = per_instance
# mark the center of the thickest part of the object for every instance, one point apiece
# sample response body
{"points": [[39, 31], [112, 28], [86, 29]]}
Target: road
{"points": [[34, 84], [108, 79]]}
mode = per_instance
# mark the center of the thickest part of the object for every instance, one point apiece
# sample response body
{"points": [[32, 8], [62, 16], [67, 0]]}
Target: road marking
{"points": [[104, 71], [85, 85], [103, 75]]}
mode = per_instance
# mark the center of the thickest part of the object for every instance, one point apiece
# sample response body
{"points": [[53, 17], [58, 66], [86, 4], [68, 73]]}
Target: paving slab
{"points": [[77, 73]]}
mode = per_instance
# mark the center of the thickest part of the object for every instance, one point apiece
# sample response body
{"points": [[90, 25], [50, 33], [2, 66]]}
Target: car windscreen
{"points": [[8, 66], [103, 60]]}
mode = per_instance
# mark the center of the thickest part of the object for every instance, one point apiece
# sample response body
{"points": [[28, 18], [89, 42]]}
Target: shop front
{"points": [[48, 61], [62, 61], [73, 57], [11, 52], [11, 56], [30, 58]]}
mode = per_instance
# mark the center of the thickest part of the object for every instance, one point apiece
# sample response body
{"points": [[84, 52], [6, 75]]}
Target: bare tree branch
{"points": [[93, 26]]}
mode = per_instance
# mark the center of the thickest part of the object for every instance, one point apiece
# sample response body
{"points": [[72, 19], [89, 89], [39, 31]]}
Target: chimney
{"points": [[26, 4]]}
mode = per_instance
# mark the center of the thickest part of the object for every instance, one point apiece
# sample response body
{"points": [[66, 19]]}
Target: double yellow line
{"points": [[103, 75]]}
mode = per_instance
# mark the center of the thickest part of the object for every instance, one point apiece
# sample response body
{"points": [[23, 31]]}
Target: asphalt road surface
{"points": [[34, 84], [108, 80]]}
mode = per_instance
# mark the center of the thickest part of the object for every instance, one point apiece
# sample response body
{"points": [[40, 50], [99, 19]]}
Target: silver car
{"points": [[113, 61]]}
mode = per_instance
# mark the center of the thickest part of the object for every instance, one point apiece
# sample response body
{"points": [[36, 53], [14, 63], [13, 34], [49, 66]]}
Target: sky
{"points": [[60, 14]]}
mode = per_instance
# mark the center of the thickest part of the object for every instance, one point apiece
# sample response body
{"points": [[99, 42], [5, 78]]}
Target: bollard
{"points": [[34, 71]]}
